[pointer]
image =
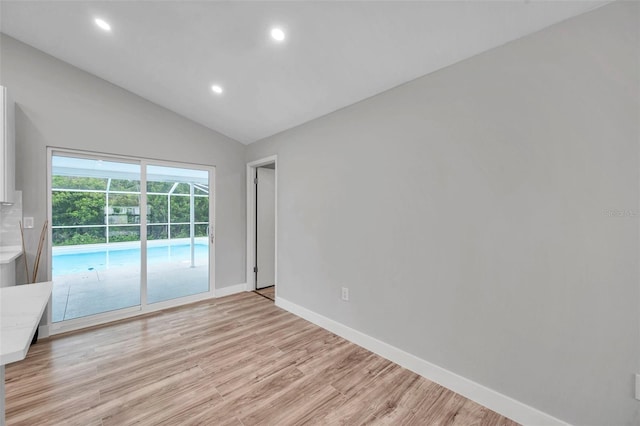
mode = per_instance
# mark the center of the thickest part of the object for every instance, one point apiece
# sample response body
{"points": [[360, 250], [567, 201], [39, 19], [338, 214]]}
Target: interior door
{"points": [[265, 227]]}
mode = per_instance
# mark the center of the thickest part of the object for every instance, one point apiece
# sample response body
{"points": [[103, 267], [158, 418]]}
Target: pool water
{"points": [[76, 263]]}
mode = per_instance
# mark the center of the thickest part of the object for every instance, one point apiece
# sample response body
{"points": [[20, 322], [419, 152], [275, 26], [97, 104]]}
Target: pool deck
{"points": [[90, 291], [98, 291]]}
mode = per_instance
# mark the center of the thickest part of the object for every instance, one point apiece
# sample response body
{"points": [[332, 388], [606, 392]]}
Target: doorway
{"points": [[261, 227]]}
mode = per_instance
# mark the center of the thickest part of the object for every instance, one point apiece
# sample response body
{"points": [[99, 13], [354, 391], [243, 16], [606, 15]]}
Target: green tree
{"points": [[75, 182], [76, 208]]}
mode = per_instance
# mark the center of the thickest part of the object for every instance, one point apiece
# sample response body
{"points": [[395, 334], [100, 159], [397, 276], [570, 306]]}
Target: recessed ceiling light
{"points": [[216, 89], [277, 34], [104, 25]]}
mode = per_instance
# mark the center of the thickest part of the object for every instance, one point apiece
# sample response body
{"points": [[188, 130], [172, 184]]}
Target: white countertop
{"points": [[21, 308], [9, 253]]}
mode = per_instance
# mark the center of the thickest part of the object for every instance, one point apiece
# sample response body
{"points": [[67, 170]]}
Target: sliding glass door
{"points": [[95, 236], [128, 234], [177, 232]]}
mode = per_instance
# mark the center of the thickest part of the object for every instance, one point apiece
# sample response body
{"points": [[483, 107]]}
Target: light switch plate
{"points": [[638, 387], [28, 222]]}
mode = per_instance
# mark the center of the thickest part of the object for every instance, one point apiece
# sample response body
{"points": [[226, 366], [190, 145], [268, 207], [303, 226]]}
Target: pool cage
{"points": [[99, 202]]}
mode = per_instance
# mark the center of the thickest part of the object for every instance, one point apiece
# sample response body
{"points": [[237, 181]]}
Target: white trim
{"points": [[48, 312], [144, 271], [125, 313], [229, 290], [476, 392], [107, 317], [251, 219]]}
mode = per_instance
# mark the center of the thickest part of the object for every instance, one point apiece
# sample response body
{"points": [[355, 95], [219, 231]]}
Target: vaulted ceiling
{"points": [[334, 53]]}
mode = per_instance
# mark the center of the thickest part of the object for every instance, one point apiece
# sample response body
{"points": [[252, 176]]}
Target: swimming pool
{"points": [[104, 258]]}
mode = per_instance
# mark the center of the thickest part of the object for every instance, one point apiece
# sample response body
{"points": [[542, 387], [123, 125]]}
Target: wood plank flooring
{"points": [[237, 360], [268, 292]]}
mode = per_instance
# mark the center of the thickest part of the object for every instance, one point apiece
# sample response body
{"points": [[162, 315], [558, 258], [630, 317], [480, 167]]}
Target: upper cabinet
{"points": [[7, 148]]}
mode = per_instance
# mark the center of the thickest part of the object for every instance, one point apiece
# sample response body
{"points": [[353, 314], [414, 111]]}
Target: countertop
{"points": [[21, 308], [9, 253]]}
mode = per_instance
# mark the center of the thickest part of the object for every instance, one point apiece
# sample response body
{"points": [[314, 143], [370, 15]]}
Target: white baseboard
{"points": [[228, 291], [501, 404]]}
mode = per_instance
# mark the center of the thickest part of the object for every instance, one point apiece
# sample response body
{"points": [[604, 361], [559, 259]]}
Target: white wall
{"points": [[470, 214], [61, 106]]}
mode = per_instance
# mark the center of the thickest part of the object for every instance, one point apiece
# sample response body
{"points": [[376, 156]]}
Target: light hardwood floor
{"points": [[237, 360], [268, 292]]}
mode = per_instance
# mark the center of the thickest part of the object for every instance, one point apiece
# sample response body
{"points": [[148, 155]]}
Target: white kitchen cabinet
{"points": [[7, 148]]}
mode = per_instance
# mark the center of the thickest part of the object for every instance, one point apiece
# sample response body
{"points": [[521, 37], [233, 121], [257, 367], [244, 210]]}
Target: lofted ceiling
{"points": [[335, 53]]}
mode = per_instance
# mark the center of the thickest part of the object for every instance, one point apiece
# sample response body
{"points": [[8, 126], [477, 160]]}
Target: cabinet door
{"points": [[7, 148]]}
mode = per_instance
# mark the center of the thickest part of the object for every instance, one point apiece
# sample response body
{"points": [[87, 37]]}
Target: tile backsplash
{"points": [[10, 217]]}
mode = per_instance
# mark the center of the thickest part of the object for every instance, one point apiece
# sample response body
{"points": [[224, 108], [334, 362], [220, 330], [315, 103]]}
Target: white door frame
{"points": [[251, 219]]}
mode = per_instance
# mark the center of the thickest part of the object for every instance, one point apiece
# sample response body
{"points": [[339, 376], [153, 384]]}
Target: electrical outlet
{"points": [[28, 222], [345, 294], [638, 387]]}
